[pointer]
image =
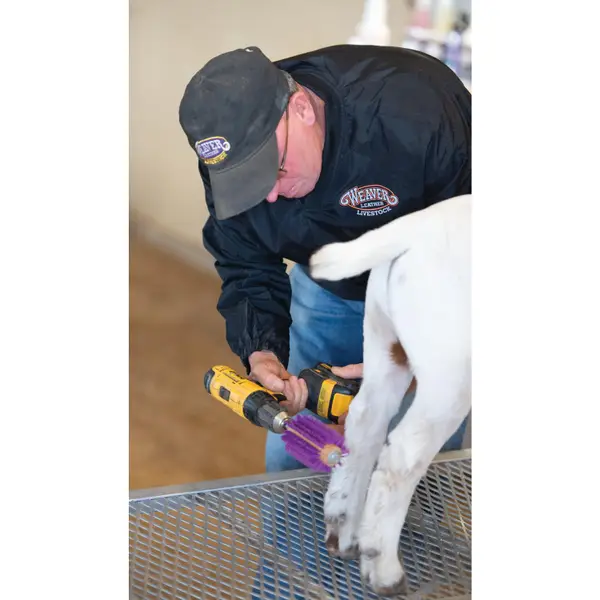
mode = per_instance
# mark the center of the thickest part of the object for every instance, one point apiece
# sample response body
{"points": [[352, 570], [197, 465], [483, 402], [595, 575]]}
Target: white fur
{"points": [[418, 293]]}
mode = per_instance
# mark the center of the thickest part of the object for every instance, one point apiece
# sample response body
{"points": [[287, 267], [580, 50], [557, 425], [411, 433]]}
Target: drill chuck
{"points": [[271, 417]]}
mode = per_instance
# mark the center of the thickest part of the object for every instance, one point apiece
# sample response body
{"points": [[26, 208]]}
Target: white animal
{"points": [[417, 323]]}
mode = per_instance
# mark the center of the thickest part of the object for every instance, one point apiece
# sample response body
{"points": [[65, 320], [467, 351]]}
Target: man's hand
{"points": [[340, 425], [349, 371], [266, 369]]}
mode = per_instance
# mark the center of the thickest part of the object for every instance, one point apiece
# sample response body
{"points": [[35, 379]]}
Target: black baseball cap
{"points": [[229, 112]]}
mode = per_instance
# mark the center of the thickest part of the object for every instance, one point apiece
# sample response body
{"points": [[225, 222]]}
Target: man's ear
{"points": [[302, 106]]}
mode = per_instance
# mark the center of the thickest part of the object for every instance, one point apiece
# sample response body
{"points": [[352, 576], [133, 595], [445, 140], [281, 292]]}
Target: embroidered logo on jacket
{"points": [[370, 200]]}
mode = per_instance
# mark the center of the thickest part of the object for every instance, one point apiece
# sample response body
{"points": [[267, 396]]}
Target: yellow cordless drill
{"points": [[328, 395]]}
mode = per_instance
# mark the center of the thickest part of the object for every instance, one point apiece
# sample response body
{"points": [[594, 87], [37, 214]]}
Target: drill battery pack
{"points": [[328, 394]]}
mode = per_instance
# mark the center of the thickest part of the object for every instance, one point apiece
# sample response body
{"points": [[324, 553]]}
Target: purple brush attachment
{"points": [[313, 443]]}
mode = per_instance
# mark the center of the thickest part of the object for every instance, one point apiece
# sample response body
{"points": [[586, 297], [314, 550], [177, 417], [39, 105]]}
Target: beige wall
{"points": [[169, 41]]}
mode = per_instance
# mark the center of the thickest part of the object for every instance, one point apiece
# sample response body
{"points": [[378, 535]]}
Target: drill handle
{"points": [[329, 396]]}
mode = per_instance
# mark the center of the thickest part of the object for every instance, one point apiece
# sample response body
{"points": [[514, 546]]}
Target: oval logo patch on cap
{"points": [[213, 150]]}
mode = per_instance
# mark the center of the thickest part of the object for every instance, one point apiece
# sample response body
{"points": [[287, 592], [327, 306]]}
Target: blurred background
{"points": [[178, 434]]}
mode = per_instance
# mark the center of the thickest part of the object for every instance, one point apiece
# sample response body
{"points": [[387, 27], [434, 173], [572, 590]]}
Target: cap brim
{"points": [[244, 186]]}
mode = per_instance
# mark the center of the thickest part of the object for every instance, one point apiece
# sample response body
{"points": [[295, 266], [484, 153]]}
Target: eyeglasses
{"points": [[287, 130]]}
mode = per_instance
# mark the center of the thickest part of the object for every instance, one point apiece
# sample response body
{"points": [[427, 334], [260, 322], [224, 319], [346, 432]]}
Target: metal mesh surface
{"points": [[262, 537]]}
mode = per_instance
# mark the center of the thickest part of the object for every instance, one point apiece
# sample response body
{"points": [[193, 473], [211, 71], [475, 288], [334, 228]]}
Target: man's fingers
{"points": [[295, 391], [270, 373], [304, 397], [338, 428], [271, 381], [288, 406], [349, 371]]}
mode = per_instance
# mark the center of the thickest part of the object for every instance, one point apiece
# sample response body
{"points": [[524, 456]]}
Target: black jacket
{"points": [[398, 139]]}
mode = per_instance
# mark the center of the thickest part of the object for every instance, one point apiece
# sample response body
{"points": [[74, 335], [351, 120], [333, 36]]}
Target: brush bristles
{"points": [[329, 443]]}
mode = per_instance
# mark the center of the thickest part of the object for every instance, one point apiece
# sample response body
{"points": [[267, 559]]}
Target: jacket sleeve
{"points": [[255, 293], [448, 159]]}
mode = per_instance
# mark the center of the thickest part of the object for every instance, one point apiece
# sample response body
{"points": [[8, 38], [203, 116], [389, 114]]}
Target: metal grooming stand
{"points": [[263, 537]]}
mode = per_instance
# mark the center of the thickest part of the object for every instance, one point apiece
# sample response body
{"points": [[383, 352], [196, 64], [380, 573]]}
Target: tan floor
{"points": [[178, 433]]}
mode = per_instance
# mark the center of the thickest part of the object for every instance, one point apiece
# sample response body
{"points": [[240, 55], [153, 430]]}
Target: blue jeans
{"points": [[326, 328]]}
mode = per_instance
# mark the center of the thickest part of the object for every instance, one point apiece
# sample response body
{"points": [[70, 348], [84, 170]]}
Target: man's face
{"points": [[300, 144]]}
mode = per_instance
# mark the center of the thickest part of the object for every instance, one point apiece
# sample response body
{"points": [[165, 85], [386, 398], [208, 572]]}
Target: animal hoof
{"points": [[332, 543], [397, 590]]}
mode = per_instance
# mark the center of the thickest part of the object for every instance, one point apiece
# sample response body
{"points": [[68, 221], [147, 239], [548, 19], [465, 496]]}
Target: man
{"points": [[305, 151]]}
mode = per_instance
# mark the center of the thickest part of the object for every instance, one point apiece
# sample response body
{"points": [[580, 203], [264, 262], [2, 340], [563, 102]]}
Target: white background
{"points": [[64, 313]]}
